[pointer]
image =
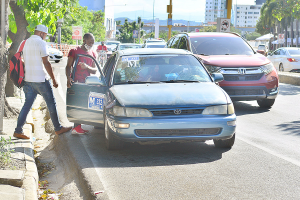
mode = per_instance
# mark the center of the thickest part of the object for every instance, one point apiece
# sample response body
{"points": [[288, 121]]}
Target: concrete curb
{"points": [[289, 78]]}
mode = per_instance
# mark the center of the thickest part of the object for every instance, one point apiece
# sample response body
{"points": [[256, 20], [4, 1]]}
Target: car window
{"points": [[156, 46], [282, 52], [123, 47], [294, 51], [277, 52], [220, 46], [183, 43], [175, 43], [157, 68], [170, 42]]}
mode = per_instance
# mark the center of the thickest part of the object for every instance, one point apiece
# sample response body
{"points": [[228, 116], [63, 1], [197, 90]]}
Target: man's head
{"points": [[41, 31], [102, 43], [88, 41]]}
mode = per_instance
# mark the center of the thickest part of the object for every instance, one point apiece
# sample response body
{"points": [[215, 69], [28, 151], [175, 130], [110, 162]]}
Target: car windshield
{"points": [[156, 46], [294, 51], [122, 47], [159, 68], [112, 43], [220, 46], [261, 48]]}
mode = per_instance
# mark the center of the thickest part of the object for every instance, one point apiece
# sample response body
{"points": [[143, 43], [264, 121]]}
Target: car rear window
{"points": [[220, 46], [294, 52], [123, 47], [157, 68]]}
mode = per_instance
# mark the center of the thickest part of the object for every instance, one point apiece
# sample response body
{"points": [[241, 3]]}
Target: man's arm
{"points": [[48, 68], [90, 69], [68, 71]]}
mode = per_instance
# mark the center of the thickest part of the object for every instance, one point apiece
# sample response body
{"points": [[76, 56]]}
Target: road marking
{"points": [[291, 160]]}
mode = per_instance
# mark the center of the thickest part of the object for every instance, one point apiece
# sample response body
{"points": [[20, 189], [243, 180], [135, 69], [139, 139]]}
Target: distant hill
{"points": [[161, 22]]}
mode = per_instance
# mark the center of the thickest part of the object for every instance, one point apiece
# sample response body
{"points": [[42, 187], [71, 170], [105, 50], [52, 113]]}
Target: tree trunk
{"points": [[292, 32], [297, 32], [16, 38], [285, 32]]}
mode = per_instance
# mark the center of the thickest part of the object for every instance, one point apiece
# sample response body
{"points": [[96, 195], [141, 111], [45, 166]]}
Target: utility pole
{"points": [[169, 10], [229, 5]]}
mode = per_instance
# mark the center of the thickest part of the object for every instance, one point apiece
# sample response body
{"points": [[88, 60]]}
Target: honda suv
{"points": [[247, 75]]}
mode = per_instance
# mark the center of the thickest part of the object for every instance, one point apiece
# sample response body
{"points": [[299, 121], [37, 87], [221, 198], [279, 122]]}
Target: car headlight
{"points": [[219, 110], [268, 68], [131, 112], [213, 69]]}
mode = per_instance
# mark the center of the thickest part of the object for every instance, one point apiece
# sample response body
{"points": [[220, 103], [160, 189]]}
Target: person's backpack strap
{"points": [[22, 46]]}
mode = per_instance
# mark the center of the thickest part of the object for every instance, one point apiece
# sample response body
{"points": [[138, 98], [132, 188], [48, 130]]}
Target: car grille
{"points": [[177, 132], [231, 92], [251, 77], [57, 56], [172, 112]]}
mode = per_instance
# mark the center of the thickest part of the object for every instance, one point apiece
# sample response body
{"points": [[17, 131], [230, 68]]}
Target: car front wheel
{"points": [[265, 103], [228, 143], [111, 142]]}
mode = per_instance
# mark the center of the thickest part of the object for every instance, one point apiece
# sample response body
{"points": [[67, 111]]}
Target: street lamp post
{"points": [[153, 17], [59, 25]]}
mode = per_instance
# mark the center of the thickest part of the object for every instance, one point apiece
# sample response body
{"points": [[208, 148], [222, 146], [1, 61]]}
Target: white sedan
{"points": [[55, 54], [286, 59]]}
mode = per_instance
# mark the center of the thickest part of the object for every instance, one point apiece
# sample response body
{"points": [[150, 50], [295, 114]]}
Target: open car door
{"points": [[85, 101]]}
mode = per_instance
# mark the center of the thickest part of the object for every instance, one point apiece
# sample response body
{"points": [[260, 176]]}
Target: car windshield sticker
{"points": [[131, 60], [96, 101]]}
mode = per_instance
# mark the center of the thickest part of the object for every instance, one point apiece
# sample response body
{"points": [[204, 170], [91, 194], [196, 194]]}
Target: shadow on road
{"points": [[244, 108], [291, 128], [286, 89], [136, 155]]}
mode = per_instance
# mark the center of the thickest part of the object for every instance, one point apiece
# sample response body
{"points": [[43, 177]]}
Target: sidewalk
{"points": [[20, 182]]}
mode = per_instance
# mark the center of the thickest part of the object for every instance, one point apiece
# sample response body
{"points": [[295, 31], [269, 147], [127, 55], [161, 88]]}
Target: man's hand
{"points": [[54, 83], [69, 82], [83, 65]]}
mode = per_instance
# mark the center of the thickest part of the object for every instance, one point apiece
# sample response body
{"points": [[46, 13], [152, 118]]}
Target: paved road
{"points": [[264, 163]]}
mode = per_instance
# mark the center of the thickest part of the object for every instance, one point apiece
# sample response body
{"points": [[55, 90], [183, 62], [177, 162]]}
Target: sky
{"points": [[193, 10]]}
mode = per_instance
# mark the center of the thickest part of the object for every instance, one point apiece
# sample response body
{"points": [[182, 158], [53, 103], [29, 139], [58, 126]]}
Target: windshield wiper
{"points": [[202, 54], [179, 81], [136, 82]]}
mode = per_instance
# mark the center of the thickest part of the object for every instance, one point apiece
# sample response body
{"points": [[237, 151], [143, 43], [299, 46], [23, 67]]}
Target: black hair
{"points": [[88, 36]]}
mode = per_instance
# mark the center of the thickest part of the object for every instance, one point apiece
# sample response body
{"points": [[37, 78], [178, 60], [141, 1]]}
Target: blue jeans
{"points": [[31, 90]]}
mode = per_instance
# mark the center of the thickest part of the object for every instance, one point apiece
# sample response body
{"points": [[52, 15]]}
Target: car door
{"points": [[275, 57], [86, 101]]}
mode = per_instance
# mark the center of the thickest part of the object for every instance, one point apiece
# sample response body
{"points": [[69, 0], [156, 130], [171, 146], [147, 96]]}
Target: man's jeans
{"points": [[31, 90]]}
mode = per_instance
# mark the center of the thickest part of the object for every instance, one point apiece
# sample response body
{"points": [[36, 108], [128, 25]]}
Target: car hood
{"points": [[235, 60], [169, 94]]}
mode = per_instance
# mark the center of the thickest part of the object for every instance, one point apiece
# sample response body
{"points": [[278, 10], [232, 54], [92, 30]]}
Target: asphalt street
{"points": [[264, 163]]}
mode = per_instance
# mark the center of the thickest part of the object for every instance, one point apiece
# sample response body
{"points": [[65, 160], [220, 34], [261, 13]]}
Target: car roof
{"points": [[145, 51], [210, 34]]}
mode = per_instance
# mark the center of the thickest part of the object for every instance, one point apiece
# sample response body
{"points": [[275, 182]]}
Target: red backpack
{"points": [[16, 67]]}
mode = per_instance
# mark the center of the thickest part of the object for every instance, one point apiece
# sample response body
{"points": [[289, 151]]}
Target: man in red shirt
{"points": [[102, 47], [85, 67]]}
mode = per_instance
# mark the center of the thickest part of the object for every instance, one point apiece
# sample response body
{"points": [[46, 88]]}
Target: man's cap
{"points": [[41, 28]]}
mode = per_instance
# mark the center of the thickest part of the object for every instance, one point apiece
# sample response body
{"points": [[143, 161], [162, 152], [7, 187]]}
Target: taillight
{"points": [[292, 60]]}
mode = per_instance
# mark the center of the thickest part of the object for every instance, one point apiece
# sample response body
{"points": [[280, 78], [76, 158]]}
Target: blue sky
{"points": [[193, 10]]}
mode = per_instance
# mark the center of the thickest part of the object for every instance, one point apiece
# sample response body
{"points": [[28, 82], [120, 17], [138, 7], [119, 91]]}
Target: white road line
{"points": [[291, 160]]}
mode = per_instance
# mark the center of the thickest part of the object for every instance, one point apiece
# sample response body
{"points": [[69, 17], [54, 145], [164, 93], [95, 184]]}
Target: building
{"points": [[106, 6], [246, 15], [215, 9]]}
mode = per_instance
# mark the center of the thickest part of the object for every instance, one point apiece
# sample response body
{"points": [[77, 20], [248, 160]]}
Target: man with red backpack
{"points": [[37, 68]]}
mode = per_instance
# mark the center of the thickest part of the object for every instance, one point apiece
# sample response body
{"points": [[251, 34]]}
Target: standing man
{"points": [[102, 47], [37, 65], [84, 68]]}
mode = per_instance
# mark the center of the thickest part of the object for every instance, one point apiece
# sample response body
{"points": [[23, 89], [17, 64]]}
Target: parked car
{"points": [[286, 59], [154, 45], [55, 54], [153, 96], [123, 46], [262, 49], [112, 45], [247, 74]]}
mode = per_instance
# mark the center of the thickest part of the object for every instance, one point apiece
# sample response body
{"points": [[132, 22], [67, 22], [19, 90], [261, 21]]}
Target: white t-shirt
{"points": [[35, 48]]}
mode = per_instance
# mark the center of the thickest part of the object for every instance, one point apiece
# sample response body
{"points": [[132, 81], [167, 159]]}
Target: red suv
{"points": [[247, 75]]}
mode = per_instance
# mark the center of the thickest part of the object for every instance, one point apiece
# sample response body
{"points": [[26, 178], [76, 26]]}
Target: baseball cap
{"points": [[41, 28]]}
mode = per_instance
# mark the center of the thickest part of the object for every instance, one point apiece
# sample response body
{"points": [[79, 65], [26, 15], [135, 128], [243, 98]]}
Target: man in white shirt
{"points": [[37, 69]]}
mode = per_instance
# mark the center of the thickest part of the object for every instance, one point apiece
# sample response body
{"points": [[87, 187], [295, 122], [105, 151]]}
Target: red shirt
{"points": [[80, 73], [100, 47]]}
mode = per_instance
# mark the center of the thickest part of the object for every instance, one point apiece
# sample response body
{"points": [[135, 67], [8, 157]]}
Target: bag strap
{"points": [[22, 46]]}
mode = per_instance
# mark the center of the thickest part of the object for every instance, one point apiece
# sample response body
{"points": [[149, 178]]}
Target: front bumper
{"points": [[55, 57], [173, 125]]}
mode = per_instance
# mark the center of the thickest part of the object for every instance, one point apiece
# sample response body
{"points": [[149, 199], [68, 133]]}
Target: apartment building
{"points": [[246, 15], [215, 9]]}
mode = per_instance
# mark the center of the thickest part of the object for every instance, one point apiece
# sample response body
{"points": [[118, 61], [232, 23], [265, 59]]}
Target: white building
{"points": [[246, 15], [215, 9]]}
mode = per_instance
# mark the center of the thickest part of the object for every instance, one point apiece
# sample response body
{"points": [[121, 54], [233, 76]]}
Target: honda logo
{"points": [[242, 70], [177, 112]]}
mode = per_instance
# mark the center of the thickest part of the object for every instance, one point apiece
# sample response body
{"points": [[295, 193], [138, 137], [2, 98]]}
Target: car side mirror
{"points": [[217, 77], [94, 80]]}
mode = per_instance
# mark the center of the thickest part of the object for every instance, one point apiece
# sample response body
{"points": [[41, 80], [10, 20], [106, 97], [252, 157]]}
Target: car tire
{"points": [[281, 69], [111, 142], [228, 143], [265, 103], [57, 61]]}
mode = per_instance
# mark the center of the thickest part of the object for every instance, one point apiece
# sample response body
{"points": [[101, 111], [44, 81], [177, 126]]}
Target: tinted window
{"points": [[220, 46], [153, 68], [277, 52], [170, 42], [282, 52], [182, 43], [175, 43], [294, 51]]}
